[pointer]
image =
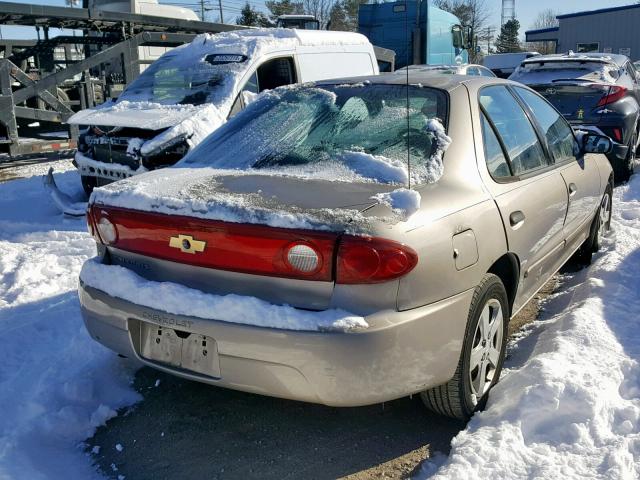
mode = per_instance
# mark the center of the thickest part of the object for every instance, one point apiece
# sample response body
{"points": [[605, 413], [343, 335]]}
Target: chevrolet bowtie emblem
{"points": [[187, 244]]}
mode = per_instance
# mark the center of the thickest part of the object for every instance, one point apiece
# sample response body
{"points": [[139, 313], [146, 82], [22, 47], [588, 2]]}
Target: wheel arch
{"points": [[507, 269]]}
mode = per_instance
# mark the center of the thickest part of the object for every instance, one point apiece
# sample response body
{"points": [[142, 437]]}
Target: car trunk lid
{"points": [[233, 233], [578, 102]]}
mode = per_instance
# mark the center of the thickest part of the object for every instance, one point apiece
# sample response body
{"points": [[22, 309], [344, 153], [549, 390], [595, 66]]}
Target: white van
{"points": [[193, 89], [504, 64]]}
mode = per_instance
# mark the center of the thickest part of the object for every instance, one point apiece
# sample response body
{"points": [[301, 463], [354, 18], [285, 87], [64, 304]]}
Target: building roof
{"points": [[542, 30], [597, 12]]}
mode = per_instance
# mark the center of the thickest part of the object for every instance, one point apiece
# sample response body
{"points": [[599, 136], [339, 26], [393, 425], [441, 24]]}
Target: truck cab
{"points": [[302, 22], [435, 37]]}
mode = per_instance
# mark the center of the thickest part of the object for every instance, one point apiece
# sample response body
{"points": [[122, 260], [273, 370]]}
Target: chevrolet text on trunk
{"points": [[348, 242], [193, 89]]}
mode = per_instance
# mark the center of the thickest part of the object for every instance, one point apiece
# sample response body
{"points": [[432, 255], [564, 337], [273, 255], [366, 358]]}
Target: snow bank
{"points": [[180, 300], [571, 407], [56, 384]]}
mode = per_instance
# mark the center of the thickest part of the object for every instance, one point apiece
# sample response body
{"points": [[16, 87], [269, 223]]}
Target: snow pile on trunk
{"points": [[56, 384], [402, 201], [183, 192], [376, 167], [180, 300], [570, 409]]}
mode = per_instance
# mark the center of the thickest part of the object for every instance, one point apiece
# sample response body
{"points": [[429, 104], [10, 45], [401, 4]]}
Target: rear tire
{"points": [[622, 169], [482, 356], [88, 184], [599, 228]]}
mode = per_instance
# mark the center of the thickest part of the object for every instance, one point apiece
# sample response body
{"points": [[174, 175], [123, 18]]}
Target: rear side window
{"points": [[556, 129], [515, 129], [493, 154]]}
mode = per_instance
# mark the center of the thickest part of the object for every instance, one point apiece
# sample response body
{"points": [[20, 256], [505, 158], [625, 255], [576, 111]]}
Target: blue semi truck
{"points": [[417, 32]]}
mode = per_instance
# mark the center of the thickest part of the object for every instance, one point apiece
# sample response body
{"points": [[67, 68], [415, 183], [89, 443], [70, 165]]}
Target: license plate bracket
{"points": [[184, 350]]}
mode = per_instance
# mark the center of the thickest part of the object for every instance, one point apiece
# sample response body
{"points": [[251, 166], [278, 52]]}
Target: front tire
{"points": [[482, 356], [599, 228]]}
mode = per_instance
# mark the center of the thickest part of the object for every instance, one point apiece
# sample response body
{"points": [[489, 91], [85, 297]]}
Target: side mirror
{"points": [[457, 37], [594, 143], [462, 37]]}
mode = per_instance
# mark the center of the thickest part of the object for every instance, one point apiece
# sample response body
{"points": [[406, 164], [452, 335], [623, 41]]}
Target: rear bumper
{"points": [[400, 354]]}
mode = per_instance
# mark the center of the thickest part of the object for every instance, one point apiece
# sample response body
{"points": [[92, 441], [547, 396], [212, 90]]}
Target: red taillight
{"points": [[91, 226], [617, 134], [372, 260], [614, 94], [254, 249]]}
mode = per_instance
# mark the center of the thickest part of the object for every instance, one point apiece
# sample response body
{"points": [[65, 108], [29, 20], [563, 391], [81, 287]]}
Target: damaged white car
{"points": [[193, 89]]}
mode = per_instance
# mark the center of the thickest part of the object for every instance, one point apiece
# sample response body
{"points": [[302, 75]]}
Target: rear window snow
{"points": [[533, 73], [365, 128]]}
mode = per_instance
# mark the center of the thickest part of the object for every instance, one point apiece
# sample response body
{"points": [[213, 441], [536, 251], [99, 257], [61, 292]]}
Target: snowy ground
{"points": [[56, 384], [568, 405]]}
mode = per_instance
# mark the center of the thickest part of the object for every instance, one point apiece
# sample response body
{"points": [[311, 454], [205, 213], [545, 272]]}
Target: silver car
{"points": [[349, 242]]}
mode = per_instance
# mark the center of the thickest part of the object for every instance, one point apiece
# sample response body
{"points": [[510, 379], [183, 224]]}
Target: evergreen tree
{"points": [[508, 41], [250, 17], [283, 7]]}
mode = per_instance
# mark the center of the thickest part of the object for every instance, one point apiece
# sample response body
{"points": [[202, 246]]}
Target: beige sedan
{"points": [[349, 242]]}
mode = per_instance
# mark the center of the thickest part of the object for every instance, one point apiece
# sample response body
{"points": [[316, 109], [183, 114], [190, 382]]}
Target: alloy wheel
{"points": [[485, 350], [605, 214]]}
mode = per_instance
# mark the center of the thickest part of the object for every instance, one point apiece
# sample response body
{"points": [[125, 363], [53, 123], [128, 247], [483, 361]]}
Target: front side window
{"points": [[515, 129], [557, 131], [361, 128]]}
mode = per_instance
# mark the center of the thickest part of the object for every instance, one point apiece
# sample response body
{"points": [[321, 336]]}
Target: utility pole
{"points": [[489, 37], [220, 5], [202, 10]]}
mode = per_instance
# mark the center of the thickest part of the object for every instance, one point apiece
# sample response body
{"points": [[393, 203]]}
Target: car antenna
{"points": [[407, 38]]}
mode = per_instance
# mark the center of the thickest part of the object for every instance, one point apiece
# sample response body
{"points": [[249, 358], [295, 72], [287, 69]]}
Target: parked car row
{"points": [[316, 248]]}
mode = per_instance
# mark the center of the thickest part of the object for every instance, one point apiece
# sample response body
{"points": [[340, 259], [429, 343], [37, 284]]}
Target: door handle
{"points": [[516, 218], [572, 189]]}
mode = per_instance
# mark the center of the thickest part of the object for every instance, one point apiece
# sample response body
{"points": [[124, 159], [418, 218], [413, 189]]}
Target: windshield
{"points": [[176, 79], [362, 128]]}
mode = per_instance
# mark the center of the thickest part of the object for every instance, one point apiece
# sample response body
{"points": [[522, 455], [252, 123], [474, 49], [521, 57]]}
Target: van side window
{"points": [[275, 73], [518, 136], [559, 135], [493, 154]]}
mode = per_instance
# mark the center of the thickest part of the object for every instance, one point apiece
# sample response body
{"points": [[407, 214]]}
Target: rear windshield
{"points": [[364, 128], [551, 72]]}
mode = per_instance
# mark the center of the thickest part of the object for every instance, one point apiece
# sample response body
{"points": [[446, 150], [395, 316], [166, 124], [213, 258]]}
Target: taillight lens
{"points": [[107, 231], [303, 258], [372, 260], [614, 94]]}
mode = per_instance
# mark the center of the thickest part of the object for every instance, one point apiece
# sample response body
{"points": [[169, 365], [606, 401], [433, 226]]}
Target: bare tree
{"points": [[474, 13], [545, 19], [321, 9]]}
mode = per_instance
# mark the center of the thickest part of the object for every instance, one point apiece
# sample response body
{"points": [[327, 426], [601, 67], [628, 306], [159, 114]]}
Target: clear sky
{"points": [[526, 10]]}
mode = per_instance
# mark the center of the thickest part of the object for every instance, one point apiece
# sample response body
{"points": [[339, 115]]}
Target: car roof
{"points": [[619, 60], [415, 77]]}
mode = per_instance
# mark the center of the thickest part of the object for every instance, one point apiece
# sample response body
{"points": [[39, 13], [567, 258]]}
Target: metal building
{"points": [[607, 30]]}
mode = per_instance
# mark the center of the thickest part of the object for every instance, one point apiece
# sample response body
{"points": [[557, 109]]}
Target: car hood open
{"points": [[149, 116]]}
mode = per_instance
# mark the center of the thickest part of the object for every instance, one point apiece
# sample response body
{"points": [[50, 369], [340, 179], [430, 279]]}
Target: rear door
{"points": [[529, 192], [581, 175]]}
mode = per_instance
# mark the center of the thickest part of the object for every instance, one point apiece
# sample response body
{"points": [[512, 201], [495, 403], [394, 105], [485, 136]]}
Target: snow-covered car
{"points": [[598, 92], [462, 69], [348, 242], [193, 89]]}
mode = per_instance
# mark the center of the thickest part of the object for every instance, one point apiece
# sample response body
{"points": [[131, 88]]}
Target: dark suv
{"points": [[595, 92]]}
